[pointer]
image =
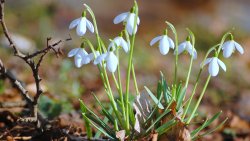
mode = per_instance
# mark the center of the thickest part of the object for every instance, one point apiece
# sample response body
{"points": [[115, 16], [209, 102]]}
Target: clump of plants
{"points": [[144, 114]]}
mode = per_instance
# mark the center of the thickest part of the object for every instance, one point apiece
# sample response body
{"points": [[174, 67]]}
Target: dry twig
{"points": [[34, 66]]}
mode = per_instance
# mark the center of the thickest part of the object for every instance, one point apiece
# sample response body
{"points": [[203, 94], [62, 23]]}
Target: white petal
{"points": [[100, 58], [228, 49], [73, 52], [195, 54], [74, 23], [91, 56], [208, 60], [213, 67], [90, 26], [138, 20], [78, 61], [226, 44], [117, 40], [113, 45], [124, 45], [191, 50], [130, 26], [120, 18], [82, 52], [181, 47], [171, 43], [81, 28], [222, 65], [239, 48], [86, 60], [156, 39], [112, 62], [164, 45]]}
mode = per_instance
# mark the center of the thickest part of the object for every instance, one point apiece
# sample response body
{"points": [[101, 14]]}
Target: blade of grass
{"points": [[165, 126], [180, 98], [158, 119], [156, 101], [210, 131], [100, 129], [205, 124], [104, 111]]}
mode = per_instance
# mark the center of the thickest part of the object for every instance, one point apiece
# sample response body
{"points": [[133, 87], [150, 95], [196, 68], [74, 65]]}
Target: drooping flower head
{"points": [[164, 43], [187, 46], [214, 64], [110, 59], [82, 24], [81, 57], [119, 42], [230, 46], [129, 19]]}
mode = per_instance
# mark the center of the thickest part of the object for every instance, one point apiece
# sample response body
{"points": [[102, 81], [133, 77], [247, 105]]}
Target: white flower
{"points": [[186, 45], [164, 43], [81, 25], [214, 64], [110, 58], [119, 41], [229, 47], [129, 18], [81, 56]]}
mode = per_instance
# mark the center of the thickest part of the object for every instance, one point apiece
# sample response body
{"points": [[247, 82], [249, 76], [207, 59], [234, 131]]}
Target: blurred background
{"points": [[31, 22]]}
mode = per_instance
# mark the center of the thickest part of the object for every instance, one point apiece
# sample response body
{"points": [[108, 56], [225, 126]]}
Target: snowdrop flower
{"points": [[214, 64], [129, 18], [110, 58], [81, 56], [164, 43], [81, 25], [187, 46], [119, 41], [229, 47]]}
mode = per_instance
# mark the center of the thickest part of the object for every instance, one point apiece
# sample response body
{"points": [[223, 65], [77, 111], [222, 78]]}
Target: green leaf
{"points": [[99, 129], [93, 117], [166, 126], [158, 119], [210, 131], [104, 111], [159, 90], [165, 89], [180, 97], [205, 124], [156, 101]]}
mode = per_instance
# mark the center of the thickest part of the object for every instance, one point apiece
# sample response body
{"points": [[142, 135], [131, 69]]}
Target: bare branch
{"points": [[34, 66], [6, 32], [17, 84]]}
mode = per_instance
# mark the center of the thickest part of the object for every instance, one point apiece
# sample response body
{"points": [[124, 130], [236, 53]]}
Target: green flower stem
{"points": [[209, 77], [128, 80], [115, 80], [192, 57], [111, 97], [129, 70], [99, 66], [197, 80], [192, 95], [135, 81], [176, 57], [120, 84], [95, 27], [199, 100]]}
